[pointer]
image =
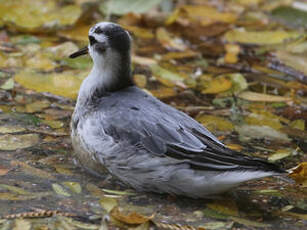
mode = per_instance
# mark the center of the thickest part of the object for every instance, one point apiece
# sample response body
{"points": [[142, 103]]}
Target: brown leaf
{"points": [[130, 218], [299, 174]]}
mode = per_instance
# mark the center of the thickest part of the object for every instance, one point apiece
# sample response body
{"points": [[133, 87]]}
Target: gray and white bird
{"points": [[143, 142]]}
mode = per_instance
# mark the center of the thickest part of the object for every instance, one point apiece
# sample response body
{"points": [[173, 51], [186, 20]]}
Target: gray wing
{"points": [[145, 122]]}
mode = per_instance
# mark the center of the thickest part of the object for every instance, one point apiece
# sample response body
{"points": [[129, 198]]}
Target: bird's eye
{"points": [[92, 40]]}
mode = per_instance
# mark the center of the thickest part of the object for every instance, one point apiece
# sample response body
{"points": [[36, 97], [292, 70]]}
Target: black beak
{"points": [[80, 52]]}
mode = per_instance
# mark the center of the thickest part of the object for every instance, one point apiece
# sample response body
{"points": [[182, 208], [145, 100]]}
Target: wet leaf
{"points": [[13, 142], [280, 154], [252, 96], [130, 218], [73, 186], [251, 223], [299, 174], [8, 84], [260, 37], [108, 203], [215, 123], [11, 129], [15, 189], [115, 192], [53, 124], [216, 225], [40, 61], [32, 170], [3, 170], [64, 84], [95, 190], [262, 117], [27, 15], [60, 190], [22, 224], [225, 207]]}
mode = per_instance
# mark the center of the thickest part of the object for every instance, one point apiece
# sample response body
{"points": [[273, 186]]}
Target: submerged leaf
{"points": [[11, 129], [130, 218], [280, 154], [60, 190], [13, 142]]}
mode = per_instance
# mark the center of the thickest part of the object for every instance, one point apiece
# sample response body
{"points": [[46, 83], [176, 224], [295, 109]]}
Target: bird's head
{"points": [[106, 39]]}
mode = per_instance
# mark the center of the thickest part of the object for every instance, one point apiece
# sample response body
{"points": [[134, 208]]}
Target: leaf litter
{"points": [[239, 67]]}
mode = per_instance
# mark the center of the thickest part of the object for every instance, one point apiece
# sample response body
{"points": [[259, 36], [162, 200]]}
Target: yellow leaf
{"points": [[78, 33], [252, 96], [13, 142], [217, 85], [232, 52], [37, 16], [260, 37], [214, 123], [64, 84], [299, 174], [167, 40], [205, 15]]}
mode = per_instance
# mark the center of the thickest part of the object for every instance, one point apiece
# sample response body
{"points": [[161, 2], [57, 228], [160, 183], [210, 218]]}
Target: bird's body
{"points": [[145, 143]]}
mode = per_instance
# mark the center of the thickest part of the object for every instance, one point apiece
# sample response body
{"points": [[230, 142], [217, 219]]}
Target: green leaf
{"points": [[120, 7], [290, 16], [8, 84]]}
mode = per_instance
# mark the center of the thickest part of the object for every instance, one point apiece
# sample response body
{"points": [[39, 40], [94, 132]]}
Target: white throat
{"points": [[103, 75]]}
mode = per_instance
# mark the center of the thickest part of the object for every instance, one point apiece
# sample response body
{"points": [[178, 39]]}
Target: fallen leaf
{"points": [[217, 85], [232, 52], [253, 96], [121, 7], [202, 14], [32, 170], [3, 170], [60, 190], [64, 84], [13, 142], [108, 203], [225, 207], [215, 123], [299, 174], [251, 223], [166, 77], [130, 218], [295, 61], [260, 37], [280, 154], [11, 129], [260, 132], [167, 40], [73, 186], [27, 15], [37, 106], [21, 224], [8, 84], [290, 16]]}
